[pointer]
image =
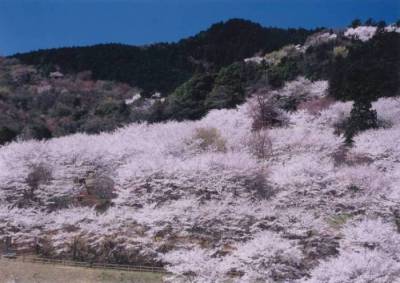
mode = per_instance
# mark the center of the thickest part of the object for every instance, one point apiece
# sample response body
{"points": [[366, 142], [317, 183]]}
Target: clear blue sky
{"points": [[32, 24]]}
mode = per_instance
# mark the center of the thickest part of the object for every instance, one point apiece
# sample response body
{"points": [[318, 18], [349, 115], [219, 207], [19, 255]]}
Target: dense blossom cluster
{"points": [[311, 211], [365, 33], [362, 33]]}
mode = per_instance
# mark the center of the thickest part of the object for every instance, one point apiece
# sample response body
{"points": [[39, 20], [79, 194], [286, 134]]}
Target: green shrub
{"points": [[40, 132], [317, 62], [106, 108], [286, 70], [187, 101], [370, 71], [156, 113], [62, 111], [229, 88], [362, 118], [356, 23], [276, 57], [340, 51], [7, 135]]}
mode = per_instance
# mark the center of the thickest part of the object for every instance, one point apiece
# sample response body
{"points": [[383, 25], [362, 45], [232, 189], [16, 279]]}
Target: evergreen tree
{"points": [[370, 71], [370, 22], [228, 89], [356, 23], [362, 117], [187, 101], [164, 66]]}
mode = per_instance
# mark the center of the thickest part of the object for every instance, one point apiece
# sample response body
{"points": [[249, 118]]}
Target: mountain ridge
{"points": [[164, 66]]}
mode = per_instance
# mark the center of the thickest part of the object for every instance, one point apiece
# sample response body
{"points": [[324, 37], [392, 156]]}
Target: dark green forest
{"points": [[164, 66]]}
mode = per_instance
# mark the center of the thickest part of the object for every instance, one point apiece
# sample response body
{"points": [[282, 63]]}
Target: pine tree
{"points": [[362, 117], [356, 23]]}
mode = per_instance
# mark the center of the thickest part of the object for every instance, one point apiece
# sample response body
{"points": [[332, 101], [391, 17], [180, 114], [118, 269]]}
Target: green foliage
{"points": [[44, 108], [381, 24], [62, 111], [231, 84], [286, 70], [340, 51], [344, 63], [228, 90], [195, 75], [370, 71], [205, 91], [157, 113], [163, 66], [40, 132], [187, 101], [370, 22], [108, 108], [362, 118], [318, 61], [22, 101], [7, 135], [356, 23]]}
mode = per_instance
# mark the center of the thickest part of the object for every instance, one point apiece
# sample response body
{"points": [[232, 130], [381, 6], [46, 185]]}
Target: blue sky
{"points": [[32, 24]]}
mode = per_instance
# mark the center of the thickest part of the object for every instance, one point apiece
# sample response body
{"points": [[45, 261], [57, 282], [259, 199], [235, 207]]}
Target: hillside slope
{"points": [[164, 66], [38, 106], [220, 197], [290, 174]]}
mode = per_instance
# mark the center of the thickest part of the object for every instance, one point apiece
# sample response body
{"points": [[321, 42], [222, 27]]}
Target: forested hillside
{"points": [[282, 166], [163, 66], [39, 106]]}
